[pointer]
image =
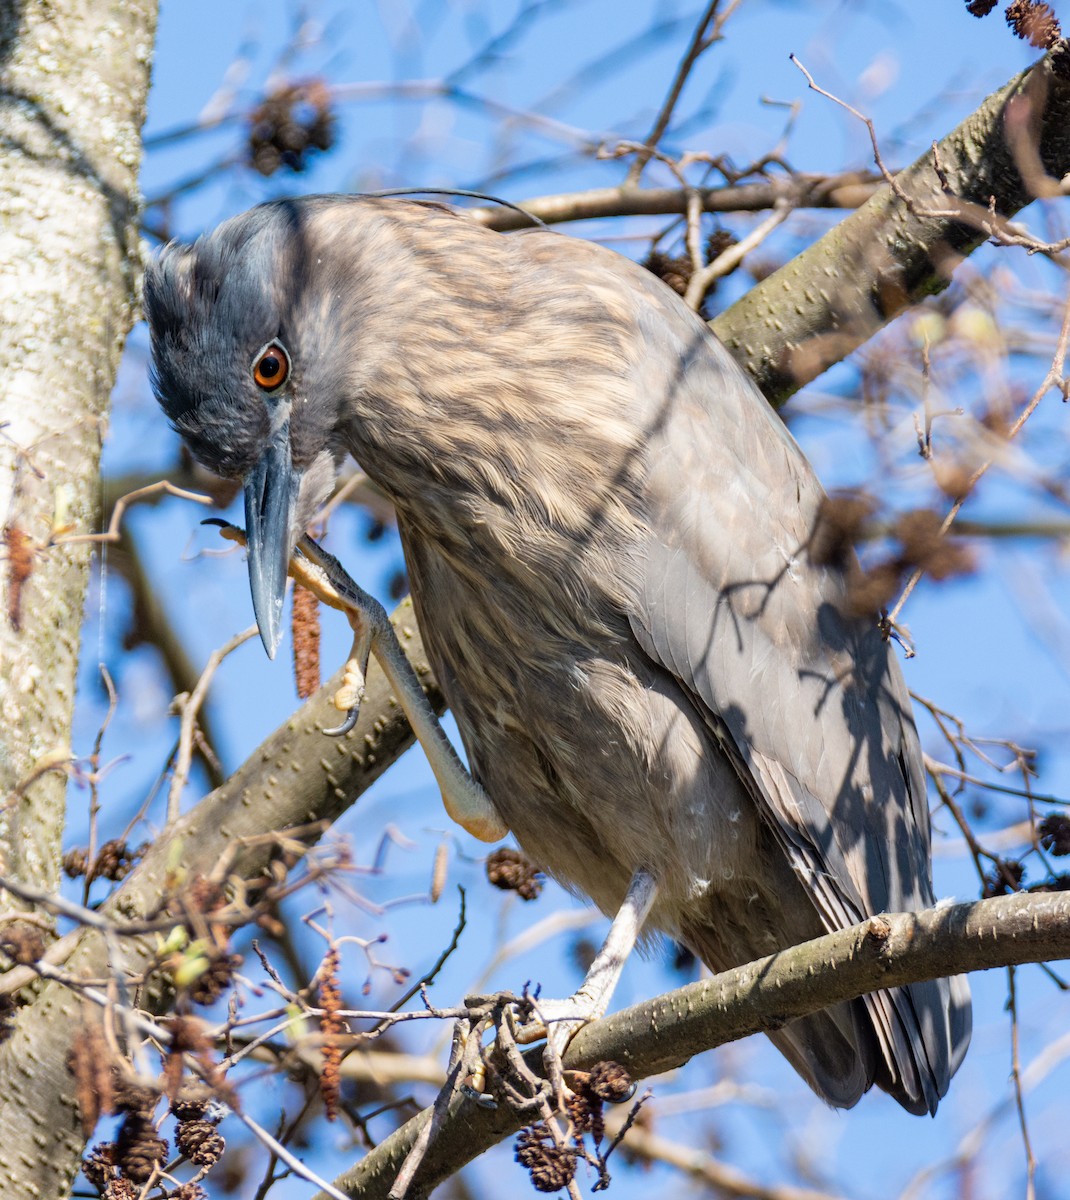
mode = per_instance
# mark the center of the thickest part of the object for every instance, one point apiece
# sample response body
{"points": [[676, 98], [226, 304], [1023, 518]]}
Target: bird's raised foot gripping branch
{"points": [[325, 577]]}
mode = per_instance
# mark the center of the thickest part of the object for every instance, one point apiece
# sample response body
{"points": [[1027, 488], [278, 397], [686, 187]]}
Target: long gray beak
{"points": [[270, 503]]}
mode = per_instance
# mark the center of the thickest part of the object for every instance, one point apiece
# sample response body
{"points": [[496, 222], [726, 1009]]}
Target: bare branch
{"points": [[150, 491], [189, 706], [847, 190], [885, 951], [701, 41], [886, 256], [727, 261]]}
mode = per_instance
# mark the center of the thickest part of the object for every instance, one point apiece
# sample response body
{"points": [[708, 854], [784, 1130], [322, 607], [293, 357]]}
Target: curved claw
{"points": [[347, 726], [231, 532], [483, 1099]]}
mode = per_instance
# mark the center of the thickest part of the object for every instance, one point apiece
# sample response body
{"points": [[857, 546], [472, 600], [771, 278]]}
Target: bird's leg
{"points": [[560, 1019], [323, 575], [464, 799]]}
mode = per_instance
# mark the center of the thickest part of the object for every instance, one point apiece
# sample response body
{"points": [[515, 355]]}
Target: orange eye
{"points": [[271, 367]]}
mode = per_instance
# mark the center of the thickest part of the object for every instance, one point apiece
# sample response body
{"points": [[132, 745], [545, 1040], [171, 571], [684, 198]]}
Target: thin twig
{"points": [[112, 533], [94, 779], [440, 962], [284, 1156], [733, 255], [1019, 1098], [189, 706], [465, 1044], [700, 42], [935, 767]]}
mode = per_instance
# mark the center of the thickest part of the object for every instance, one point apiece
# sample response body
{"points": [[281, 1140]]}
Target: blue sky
{"points": [[986, 650]]}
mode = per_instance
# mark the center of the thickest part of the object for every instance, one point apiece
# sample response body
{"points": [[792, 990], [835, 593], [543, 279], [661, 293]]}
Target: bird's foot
{"points": [[325, 577], [559, 1020], [349, 696], [351, 693]]}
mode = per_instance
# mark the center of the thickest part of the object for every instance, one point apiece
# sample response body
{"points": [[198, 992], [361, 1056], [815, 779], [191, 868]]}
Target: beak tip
{"points": [[270, 635]]}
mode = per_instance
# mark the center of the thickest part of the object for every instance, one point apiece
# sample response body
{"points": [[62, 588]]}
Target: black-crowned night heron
{"points": [[606, 531]]}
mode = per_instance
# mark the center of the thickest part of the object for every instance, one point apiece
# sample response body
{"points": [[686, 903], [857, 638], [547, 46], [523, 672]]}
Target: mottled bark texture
{"points": [[74, 76]]}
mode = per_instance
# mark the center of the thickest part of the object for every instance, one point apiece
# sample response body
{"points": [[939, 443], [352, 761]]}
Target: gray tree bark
{"points": [[74, 77]]}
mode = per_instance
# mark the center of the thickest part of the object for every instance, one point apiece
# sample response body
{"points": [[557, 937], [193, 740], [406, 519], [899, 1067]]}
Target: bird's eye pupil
{"points": [[271, 368]]}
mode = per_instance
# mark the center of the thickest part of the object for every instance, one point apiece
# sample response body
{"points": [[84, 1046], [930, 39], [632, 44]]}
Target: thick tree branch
{"points": [[665, 1032], [889, 254], [296, 777]]}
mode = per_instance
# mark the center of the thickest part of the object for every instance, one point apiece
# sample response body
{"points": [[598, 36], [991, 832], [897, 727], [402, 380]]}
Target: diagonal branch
{"points": [[903, 244], [663, 1033]]}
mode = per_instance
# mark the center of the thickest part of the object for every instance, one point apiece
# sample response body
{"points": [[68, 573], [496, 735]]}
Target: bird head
{"points": [[240, 339]]}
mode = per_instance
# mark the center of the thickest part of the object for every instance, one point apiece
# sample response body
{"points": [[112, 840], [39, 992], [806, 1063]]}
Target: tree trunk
{"points": [[74, 76]]}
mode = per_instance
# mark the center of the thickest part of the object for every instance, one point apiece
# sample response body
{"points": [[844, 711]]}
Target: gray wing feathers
{"points": [[727, 604], [815, 715]]}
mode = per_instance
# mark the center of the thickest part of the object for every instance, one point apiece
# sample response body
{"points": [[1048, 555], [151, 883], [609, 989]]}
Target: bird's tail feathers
{"points": [[907, 1041], [923, 1031]]}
